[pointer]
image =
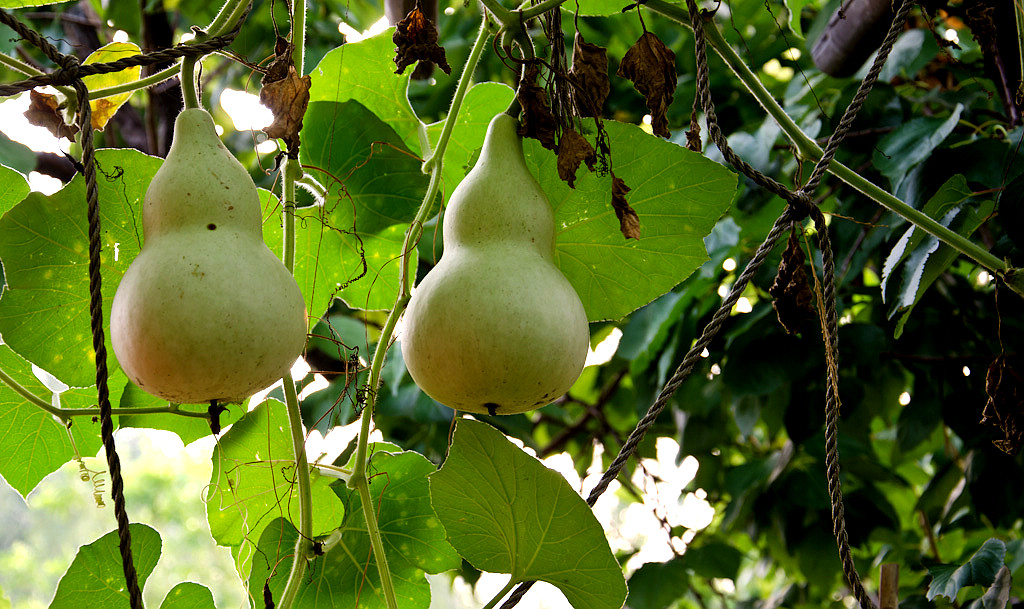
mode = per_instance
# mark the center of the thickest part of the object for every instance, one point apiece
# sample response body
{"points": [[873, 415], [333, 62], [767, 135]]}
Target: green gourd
{"points": [[495, 327], [205, 311]]}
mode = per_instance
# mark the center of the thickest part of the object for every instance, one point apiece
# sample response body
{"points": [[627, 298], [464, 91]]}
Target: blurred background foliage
{"points": [[925, 487]]}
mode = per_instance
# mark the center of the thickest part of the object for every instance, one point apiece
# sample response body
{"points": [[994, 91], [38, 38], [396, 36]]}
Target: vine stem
{"points": [[434, 164], [809, 149], [501, 594], [65, 414], [303, 543], [29, 70]]}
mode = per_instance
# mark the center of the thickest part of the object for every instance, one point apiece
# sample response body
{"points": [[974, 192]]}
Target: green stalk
{"points": [[501, 594], [807, 148], [65, 414], [434, 164], [501, 14], [189, 86], [135, 85], [303, 544], [299, 34], [227, 18]]}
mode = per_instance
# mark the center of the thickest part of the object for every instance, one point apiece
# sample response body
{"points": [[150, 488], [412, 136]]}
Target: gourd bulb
{"points": [[205, 311], [495, 327]]}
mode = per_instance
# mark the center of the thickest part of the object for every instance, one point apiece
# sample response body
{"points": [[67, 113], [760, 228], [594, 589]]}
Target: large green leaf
{"points": [[506, 513], [346, 576], [33, 444], [95, 578], [44, 313], [13, 188], [678, 194], [188, 595], [28, 3], [374, 186], [647, 589], [17, 156], [364, 72], [253, 480], [979, 570]]}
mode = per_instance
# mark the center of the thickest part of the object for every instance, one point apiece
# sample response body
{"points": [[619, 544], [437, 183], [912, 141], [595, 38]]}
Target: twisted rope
{"points": [[70, 71], [799, 207], [67, 75]]}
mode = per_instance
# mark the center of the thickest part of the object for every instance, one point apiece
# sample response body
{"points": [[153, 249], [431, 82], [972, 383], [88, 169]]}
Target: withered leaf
{"points": [[43, 112], [791, 290], [629, 222], [1004, 387], [693, 135], [574, 149], [416, 37], [278, 68], [590, 71], [651, 66], [538, 121], [287, 99]]}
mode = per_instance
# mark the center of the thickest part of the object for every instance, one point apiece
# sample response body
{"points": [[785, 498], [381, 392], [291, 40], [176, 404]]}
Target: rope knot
{"points": [[801, 205], [69, 70]]}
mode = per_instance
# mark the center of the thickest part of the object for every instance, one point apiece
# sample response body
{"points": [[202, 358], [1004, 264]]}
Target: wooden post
{"points": [[889, 587]]}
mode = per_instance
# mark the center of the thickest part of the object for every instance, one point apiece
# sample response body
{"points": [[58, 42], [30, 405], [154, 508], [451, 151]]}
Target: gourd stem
{"points": [[501, 594], [299, 34], [227, 17], [303, 543], [807, 148], [189, 87], [465, 80], [65, 414], [501, 14]]}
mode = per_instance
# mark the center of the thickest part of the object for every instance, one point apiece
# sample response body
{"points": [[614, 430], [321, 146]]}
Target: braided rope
{"points": [[67, 75], [70, 71]]}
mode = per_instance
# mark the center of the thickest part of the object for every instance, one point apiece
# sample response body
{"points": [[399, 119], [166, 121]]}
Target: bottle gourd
{"points": [[205, 311], [495, 327]]}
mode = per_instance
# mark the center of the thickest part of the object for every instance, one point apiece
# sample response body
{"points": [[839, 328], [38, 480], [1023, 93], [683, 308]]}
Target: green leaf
{"points": [[998, 594], [16, 157], [253, 480], [44, 313], [599, 8], [364, 72], [372, 179], [375, 186], [648, 589], [483, 102], [33, 444], [506, 513], [28, 3], [979, 570], [911, 143], [188, 595], [795, 7], [678, 194], [346, 576], [95, 578]]}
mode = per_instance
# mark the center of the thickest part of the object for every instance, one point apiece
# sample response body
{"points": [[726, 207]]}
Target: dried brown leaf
{"points": [[287, 98], [629, 222], [791, 289], [416, 40], [537, 121], [43, 111], [651, 66], [693, 135], [1004, 387], [574, 149], [590, 71]]}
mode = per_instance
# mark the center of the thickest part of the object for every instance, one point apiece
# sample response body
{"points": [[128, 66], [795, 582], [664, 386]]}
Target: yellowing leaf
{"points": [[104, 108]]}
